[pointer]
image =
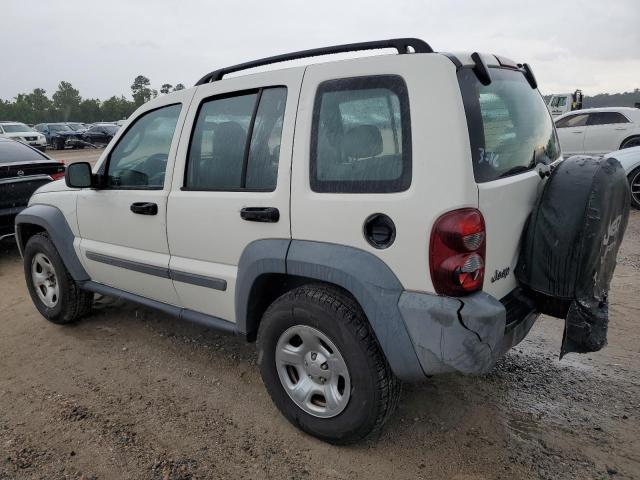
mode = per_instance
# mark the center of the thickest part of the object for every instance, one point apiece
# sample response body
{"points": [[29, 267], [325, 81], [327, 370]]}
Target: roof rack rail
{"points": [[402, 45]]}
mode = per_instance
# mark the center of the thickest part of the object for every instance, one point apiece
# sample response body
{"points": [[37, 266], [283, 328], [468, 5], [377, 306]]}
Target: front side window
{"points": [[579, 120], [139, 160], [510, 128], [606, 118], [235, 143], [361, 136]]}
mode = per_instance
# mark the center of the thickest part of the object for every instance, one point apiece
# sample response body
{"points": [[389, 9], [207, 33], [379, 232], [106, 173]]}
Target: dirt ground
{"points": [[134, 394]]}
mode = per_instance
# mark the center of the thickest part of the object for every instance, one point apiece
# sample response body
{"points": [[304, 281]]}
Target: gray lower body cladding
{"points": [[467, 334]]}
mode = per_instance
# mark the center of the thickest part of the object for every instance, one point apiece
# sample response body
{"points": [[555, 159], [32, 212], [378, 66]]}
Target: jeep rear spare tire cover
{"points": [[570, 246]]}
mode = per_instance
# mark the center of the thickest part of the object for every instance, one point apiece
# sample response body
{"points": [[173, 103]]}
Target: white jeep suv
{"points": [[360, 218], [597, 131]]}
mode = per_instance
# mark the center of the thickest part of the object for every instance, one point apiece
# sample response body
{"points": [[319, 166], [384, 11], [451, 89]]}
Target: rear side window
{"points": [[235, 144], [606, 118], [579, 120], [361, 136], [510, 128]]}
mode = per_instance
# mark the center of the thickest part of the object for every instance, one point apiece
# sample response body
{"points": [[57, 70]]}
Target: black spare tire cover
{"points": [[570, 245]]}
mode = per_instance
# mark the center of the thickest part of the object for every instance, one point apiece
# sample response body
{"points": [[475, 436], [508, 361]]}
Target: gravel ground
{"points": [[131, 393]]}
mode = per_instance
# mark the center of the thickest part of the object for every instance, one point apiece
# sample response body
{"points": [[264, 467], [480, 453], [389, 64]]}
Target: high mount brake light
{"points": [[457, 252]]}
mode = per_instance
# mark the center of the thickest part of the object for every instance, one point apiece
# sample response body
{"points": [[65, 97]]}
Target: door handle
{"points": [[144, 208], [578, 132], [260, 214], [620, 128]]}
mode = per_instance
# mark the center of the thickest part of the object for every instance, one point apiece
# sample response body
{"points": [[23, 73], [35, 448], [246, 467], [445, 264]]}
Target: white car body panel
{"points": [[598, 139]]}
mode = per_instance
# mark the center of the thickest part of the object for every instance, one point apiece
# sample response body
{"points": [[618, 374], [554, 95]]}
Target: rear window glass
{"points": [[510, 128], [16, 152], [361, 136]]}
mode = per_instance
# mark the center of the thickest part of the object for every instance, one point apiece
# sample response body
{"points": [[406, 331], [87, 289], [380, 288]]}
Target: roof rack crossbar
{"points": [[402, 45]]}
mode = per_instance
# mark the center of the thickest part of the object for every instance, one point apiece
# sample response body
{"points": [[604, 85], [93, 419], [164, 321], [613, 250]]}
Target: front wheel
{"points": [[634, 184], [53, 291], [323, 367]]}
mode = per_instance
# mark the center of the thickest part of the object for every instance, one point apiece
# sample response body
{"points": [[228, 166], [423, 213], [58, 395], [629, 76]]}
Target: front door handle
{"points": [[260, 214], [144, 208]]}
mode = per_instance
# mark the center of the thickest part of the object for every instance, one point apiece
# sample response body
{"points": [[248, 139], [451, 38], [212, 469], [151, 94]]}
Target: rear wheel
{"points": [[630, 142], [53, 291], [323, 367], [634, 184]]}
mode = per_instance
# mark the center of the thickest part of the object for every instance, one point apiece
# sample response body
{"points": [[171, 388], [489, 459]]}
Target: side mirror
{"points": [[78, 175]]}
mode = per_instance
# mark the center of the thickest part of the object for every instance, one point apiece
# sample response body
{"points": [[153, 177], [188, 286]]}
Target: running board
{"points": [[208, 321]]}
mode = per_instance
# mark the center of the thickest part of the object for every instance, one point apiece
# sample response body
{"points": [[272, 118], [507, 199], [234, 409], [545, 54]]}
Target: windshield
{"points": [[59, 128], [77, 126], [16, 128], [510, 128]]}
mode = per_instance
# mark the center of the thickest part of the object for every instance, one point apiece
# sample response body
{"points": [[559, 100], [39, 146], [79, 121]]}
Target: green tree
{"points": [[178, 87], [140, 90], [90, 110], [166, 88], [116, 108], [66, 102]]}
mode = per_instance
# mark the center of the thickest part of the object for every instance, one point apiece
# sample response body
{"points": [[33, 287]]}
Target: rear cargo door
{"points": [[512, 138]]}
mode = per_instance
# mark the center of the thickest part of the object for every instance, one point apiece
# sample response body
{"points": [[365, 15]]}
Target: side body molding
{"points": [[53, 221]]}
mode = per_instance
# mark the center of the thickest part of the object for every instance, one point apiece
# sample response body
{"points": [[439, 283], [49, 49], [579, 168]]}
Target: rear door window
{"points": [[606, 118], [361, 136], [510, 128], [236, 142]]}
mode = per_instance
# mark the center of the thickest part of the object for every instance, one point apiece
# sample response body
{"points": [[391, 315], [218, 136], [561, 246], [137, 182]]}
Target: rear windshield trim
{"points": [[476, 126]]}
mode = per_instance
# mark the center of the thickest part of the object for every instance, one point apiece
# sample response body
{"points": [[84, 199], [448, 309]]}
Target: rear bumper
{"points": [[467, 334]]}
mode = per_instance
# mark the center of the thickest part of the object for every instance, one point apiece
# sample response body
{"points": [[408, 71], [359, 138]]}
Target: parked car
{"points": [[22, 170], [23, 133], [630, 160], [59, 135], [596, 131], [361, 219], [100, 133]]}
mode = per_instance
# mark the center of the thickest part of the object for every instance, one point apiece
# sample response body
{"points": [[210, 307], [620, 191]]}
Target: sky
{"points": [[100, 46]]}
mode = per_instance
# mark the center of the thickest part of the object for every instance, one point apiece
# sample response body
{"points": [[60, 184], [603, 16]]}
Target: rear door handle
{"points": [[144, 208], [260, 214], [578, 132]]}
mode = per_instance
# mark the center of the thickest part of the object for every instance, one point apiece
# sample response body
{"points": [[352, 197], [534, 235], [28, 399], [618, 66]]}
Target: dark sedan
{"points": [[100, 134], [23, 170], [59, 135]]}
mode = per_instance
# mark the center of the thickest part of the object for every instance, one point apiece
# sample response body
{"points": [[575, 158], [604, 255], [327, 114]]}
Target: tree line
{"points": [[66, 104]]}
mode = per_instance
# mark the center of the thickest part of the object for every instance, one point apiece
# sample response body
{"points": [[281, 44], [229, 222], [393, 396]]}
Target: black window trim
{"points": [[104, 168], [396, 84], [247, 146]]}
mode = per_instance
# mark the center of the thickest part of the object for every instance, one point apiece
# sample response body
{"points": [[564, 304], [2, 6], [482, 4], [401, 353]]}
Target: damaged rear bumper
{"points": [[467, 334]]}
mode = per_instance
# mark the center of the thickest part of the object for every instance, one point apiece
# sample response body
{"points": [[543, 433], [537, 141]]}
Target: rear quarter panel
{"points": [[442, 176]]}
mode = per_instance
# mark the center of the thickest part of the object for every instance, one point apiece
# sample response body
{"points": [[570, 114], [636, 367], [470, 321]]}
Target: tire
{"points": [[370, 391], [634, 185], [630, 142], [52, 145], [68, 302]]}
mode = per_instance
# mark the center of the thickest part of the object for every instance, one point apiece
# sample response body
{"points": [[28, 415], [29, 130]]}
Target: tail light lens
{"points": [[59, 174], [457, 252]]}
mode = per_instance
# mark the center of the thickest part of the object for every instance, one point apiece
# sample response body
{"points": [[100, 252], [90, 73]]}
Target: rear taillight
{"points": [[59, 174], [457, 252]]}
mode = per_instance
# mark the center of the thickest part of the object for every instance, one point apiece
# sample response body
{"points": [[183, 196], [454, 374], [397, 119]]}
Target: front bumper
{"points": [[467, 334]]}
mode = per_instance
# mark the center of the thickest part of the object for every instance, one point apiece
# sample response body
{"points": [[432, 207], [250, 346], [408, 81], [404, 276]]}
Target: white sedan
{"points": [[23, 133], [630, 160], [597, 131]]}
